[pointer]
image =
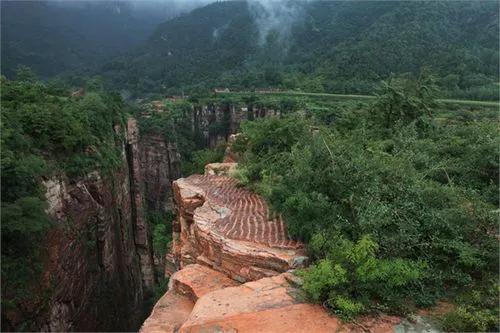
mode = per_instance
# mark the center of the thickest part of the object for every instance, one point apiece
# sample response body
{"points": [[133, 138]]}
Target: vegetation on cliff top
{"points": [[44, 132], [398, 209]]}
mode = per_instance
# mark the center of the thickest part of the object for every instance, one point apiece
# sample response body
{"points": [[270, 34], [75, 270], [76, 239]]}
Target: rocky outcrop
{"points": [[228, 169], [185, 288], [202, 300], [230, 229], [225, 235], [229, 155], [265, 305], [194, 281], [218, 304]]}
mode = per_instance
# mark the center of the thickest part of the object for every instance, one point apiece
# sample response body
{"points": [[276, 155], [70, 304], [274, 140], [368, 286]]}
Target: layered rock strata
{"points": [[185, 288], [99, 265], [202, 300], [230, 229], [265, 305]]}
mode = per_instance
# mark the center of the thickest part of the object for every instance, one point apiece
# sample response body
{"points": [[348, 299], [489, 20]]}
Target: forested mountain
{"points": [[319, 46], [54, 36]]}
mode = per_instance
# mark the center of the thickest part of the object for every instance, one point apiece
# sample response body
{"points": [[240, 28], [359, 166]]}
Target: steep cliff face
{"points": [[216, 122], [160, 160], [99, 267], [159, 166]]}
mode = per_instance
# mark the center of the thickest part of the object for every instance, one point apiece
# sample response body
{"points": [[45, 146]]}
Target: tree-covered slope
{"points": [[52, 37], [319, 46]]}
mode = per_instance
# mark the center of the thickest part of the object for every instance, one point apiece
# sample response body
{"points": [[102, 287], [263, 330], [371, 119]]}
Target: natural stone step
{"points": [[272, 305], [185, 288], [265, 305], [169, 313], [195, 280]]}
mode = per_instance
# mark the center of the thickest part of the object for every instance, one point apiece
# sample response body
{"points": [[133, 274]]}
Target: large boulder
{"points": [[185, 287], [265, 305]]}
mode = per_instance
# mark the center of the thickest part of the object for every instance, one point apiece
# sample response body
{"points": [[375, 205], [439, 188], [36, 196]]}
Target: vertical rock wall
{"points": [[99, 267], [159, 166], [141, 232]]}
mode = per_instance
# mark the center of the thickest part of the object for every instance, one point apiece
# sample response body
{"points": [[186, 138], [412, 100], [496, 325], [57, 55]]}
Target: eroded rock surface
{"points": [[98, 266], [265, 305], [185, 288], [169, 313], [225, 169], [230, 229]]}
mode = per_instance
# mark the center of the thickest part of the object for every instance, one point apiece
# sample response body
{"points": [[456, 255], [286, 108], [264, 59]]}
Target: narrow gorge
{"points": [[249, 166], [100, 251], [99, 268]]}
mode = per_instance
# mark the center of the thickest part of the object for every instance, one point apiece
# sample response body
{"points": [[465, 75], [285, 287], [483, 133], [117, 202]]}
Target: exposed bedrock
{"points": [[216, 122], [185, 288], [230, 229], [159, 166], [202, 300], [265, 305]]}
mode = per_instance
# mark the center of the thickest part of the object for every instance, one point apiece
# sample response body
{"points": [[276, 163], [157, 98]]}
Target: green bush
{"points": [[477, 311], [351, 276], [199, 158], [396, 214]]}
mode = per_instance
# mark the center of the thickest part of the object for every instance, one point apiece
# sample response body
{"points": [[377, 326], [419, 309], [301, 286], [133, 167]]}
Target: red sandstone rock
{"points": [[185, 288], [297, 318], [270, 305], [265, 305], [169, 313], [194, 281], [231, 230]]}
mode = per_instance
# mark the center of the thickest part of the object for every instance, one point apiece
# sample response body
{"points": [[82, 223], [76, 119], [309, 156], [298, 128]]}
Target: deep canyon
{"points": [[100, 272]]}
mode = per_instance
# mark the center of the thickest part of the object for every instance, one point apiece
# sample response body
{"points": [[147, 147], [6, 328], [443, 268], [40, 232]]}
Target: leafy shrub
{"points": [[200, 158], [396, 214], [478, 310], [351, 276]]}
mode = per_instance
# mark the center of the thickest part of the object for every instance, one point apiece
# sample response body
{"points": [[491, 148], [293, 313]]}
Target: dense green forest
{"points": [[53, 37], [317, 46], [398, 204], [340, 47]]}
